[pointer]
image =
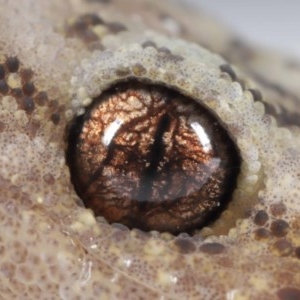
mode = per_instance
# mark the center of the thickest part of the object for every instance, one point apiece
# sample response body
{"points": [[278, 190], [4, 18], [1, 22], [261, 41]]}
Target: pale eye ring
{"points": [[149, 157]]}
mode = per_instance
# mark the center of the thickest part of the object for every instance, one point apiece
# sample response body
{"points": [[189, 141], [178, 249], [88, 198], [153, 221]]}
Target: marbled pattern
{"points": [[51, 246]]}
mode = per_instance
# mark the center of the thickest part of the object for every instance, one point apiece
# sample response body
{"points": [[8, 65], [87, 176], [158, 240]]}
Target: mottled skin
{"points": [[51, 246]]}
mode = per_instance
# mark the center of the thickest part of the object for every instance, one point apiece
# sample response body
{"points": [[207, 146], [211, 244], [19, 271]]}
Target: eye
{"points": [[154, 149], [148, 157]]}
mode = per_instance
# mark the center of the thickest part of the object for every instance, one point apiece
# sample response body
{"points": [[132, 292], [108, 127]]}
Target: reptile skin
{"points": [[55, 56]]}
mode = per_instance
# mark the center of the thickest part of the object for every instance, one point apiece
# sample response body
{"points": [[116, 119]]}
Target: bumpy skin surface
{"points": [[51, 246]]}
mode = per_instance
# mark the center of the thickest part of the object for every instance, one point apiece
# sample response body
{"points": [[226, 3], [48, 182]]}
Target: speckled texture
{"points": [[53, 248]]}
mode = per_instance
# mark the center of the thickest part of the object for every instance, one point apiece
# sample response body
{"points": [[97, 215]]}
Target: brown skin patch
{"points": [[150, 158], [289, 293], [27, 104], [165, 52], [4, 88], [212, 248], [184, 246], [12, 64], [115, 27], [282, 247], [2, 72], [17, 93], [28, 89], [27, 96], [83, 29], [26, 75], [277, 209], [261, 234], [297, 252], [41, 98], [261, 218], [149, 44], [279, 228], [139, 70], [55, 118], [49, 179], [2, 126]]}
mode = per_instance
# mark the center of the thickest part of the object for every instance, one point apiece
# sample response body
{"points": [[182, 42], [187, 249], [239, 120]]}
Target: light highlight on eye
{"points": [[203, 138], [110, 131]]}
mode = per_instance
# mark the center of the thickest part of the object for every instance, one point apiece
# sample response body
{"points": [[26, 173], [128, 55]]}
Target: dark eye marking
{"points": [[289, 293], [151, 158], [83, 28]]}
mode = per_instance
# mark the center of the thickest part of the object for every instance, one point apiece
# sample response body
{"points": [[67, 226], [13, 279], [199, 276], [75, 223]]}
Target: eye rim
{"points": [[202, 81], [189, 225]]}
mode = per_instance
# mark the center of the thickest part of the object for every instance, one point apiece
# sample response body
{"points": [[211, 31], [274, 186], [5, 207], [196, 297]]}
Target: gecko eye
{"points": [[151, 158]]}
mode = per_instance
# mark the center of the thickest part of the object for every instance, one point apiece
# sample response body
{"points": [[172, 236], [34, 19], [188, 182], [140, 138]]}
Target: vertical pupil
{"points": [[151, 158], [156, 154]]}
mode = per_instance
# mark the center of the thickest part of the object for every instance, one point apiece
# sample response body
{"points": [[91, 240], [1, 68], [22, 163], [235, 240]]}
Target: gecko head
{"points": [[53, 246], [148, 157]]}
